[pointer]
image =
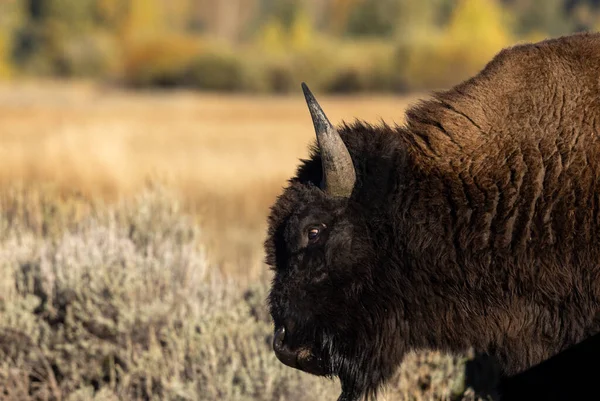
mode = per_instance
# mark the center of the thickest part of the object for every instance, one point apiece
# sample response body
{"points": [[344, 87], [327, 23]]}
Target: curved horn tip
{"points": [[320, 120], [338, 170], [308, 95]]}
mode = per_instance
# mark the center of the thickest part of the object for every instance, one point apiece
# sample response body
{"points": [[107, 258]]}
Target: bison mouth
{"points": [[302, 358]]}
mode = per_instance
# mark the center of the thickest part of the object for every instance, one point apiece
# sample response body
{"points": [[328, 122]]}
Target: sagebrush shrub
{"points": [[122, 305]]}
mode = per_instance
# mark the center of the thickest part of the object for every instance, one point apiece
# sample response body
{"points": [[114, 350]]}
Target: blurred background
{"points": [[268, 46], [142, 143]]}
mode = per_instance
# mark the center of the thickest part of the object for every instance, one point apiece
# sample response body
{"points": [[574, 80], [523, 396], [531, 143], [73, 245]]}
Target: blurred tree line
{"points": [[271, 45]]}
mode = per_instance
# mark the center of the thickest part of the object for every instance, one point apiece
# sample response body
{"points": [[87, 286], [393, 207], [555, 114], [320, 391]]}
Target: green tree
{"points": [[289, 28], [585, 14], [10, 19], [549, 17], [283, 10], [403, 18], [339, 13], [61, 37], [425, 17], [374, 18]]}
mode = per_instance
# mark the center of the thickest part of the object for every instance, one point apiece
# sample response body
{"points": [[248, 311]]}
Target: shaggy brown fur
{"points": [[475, 225]]}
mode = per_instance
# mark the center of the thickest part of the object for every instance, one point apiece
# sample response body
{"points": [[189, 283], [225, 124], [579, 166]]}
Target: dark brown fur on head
{"points": [[475, 224]]}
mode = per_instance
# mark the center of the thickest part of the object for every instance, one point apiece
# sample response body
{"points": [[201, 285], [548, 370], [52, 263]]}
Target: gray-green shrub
{"points": [[122, 304]]}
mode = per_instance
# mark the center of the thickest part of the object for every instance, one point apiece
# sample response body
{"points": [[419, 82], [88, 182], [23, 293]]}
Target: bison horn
{"points": [[338, 170]]}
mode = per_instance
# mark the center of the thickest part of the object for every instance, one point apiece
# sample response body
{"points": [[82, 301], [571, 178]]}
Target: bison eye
{"points": [[314, 232]]}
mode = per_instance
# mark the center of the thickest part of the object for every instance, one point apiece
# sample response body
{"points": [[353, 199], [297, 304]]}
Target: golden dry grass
{"points": [[227, 155]]}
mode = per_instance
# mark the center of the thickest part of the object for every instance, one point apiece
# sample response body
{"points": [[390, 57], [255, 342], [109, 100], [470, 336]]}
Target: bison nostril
{"points": [[302, 358], [278, 339], [284, 354]]}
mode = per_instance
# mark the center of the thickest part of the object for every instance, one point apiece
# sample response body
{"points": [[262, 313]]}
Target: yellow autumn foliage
{"points": [[271, 38], [425, 45], [476, 32], [145, 18], [301, 33]]}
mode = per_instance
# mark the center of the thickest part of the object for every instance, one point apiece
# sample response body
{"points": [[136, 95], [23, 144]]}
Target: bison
{"points": [[473, 224]]}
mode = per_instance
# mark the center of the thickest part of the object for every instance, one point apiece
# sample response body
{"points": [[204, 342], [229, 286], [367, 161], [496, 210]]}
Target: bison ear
{"points": [[338, 170]]}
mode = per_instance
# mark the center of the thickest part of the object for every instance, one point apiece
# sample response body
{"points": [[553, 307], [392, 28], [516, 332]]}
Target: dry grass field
{"points": [[131, 231], [227, 156]]}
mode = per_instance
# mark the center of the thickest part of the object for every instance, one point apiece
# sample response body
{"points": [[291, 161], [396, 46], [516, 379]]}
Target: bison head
{"points": [[327, 308]]}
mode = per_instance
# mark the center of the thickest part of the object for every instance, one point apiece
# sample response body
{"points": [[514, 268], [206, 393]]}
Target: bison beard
{"points": [[474, 224]]}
